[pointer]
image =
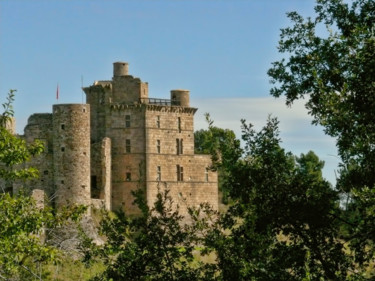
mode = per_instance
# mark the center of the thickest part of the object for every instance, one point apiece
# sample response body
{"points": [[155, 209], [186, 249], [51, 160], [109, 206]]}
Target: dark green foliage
{"points": [[13, 150], [224, 148], [282, 225], [157, 245], [335, 71], [23, 225]]}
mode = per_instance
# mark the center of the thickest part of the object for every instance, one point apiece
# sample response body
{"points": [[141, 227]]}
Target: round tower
{"points": [[71, 153], [120, 69], [180, 97]]}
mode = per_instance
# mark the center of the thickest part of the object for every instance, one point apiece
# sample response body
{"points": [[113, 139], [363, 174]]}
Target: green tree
{"points": [[13, 150], [22, 224], [224, 147], [282, 225], [157, 245], [335, 71]]}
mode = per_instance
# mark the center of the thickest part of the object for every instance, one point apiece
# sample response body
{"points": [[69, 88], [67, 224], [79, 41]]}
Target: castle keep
{"points": [[119, 141]]}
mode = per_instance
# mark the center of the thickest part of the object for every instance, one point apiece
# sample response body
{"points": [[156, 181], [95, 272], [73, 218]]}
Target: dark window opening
{"points": [[62, 149], [158, 146], [62, 127], [158, 173], [179, 146], [95, 191], [158, 121], [127, 121], [179, 124], [180, 173], [127, 146], [128, 176]]}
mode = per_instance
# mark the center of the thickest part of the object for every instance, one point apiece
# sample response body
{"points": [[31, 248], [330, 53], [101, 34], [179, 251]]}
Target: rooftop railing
{"points": [[156, 101]]}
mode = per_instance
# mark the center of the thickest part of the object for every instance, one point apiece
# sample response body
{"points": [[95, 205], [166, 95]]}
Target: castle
{"points": [[121, 140]]}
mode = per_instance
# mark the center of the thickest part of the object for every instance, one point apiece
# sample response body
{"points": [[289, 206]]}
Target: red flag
{"points": [[57, 92]]}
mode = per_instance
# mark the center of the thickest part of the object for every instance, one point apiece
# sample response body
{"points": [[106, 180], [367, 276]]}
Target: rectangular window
{"points": [[127, 121], [179, 124], [127, 146], [180, 173], [179, 146], [128, 176], [158, 146], [158, 121], [158, 173], [95, 190]]}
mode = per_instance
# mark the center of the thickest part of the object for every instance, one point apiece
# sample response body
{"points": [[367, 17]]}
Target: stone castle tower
{"points": [[121, 140]]}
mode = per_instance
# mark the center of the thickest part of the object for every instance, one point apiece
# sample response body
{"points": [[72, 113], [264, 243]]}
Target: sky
{"points": [[219, 50]]}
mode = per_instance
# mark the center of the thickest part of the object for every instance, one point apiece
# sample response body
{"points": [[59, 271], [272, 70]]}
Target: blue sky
{"points": [[219, 50]]}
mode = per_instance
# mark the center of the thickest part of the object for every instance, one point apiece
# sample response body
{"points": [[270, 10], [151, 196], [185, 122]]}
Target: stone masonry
{"points": [[121, 140]]}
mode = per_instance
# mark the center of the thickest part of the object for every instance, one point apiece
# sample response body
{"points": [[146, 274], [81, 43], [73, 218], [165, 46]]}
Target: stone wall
{"points": [[127, 134], [118, 142], [39, 127]]}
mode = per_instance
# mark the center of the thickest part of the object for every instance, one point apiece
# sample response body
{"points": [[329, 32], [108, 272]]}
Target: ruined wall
{"points": [[101, 176], [71, 153], [106, 173], [98, 96], [39, 127]]}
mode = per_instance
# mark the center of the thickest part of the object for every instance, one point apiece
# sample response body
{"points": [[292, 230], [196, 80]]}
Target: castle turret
{"points": [[180, 97], [71, 153], [120, 69]]}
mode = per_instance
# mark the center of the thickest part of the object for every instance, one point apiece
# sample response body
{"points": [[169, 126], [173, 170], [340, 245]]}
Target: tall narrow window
{"points": [[127, 146], [180, 173], [128, 176], [127, 121], [179, 146], [95, 190], [158, 146], [179, 124], [158, 173], [158, 121]]}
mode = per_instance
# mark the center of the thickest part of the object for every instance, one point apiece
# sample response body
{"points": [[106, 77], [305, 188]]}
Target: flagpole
{"points": [[57, 92], [82, 87]]}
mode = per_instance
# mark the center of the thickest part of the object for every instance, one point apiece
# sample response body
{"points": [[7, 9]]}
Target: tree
{"points": [[224, 148], [157, 245], [13, 150], [335, 71], [282, 225], [22, 223]]}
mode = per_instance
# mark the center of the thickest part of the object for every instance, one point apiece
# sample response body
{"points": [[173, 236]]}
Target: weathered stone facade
{"points": [[119, 141]]}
